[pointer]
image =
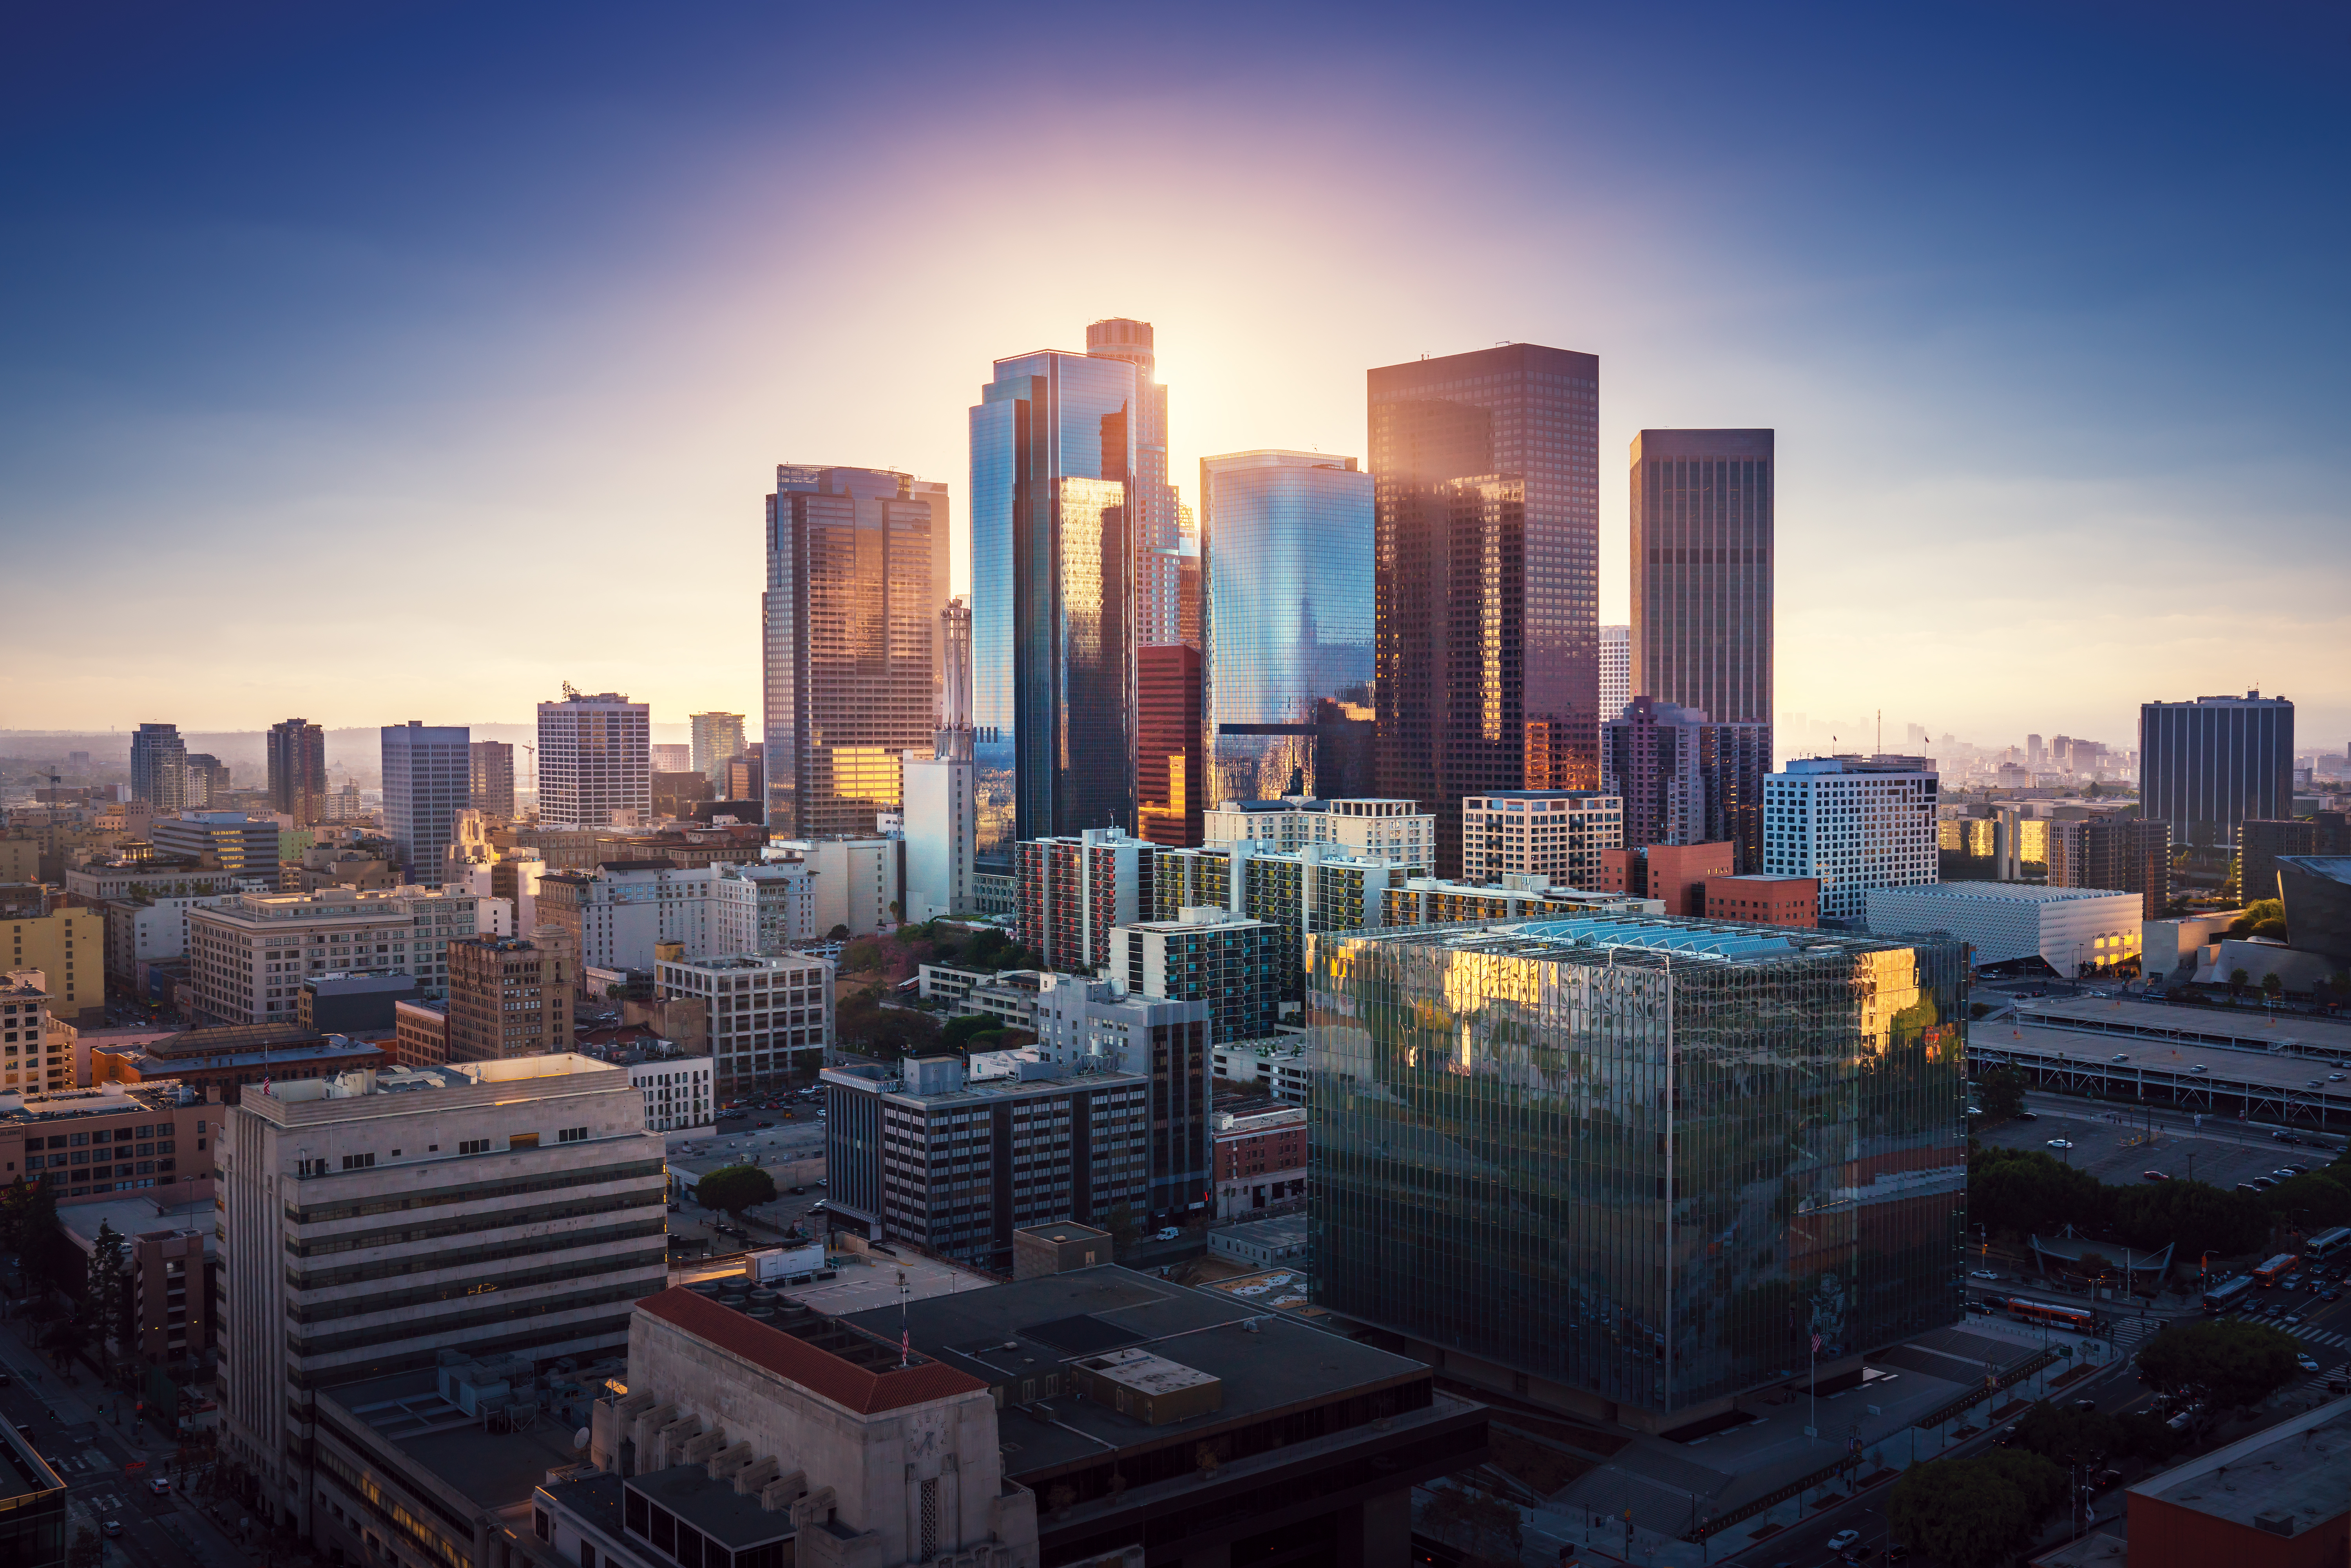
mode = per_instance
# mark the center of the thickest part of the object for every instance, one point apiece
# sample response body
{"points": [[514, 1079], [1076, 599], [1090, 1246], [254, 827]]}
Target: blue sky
{"points": [[399, 361]]}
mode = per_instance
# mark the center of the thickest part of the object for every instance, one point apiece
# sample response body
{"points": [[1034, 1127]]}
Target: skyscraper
{"points": [[941, 807], [492, 776], [427, 780], [851, 629], [1170, 780], [1615, 671], [208, 781], [1855, 823], [1686, 779], [716, 738], [2208, 766], [1486, 593], [1702, 555], [2126, 855], [595, 759], [1156, 517], [1286, 550], [159, 767], [1052, 476], [297, 770]]}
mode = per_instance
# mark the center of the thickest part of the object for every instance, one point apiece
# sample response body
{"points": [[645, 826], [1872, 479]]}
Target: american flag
{"points": [[1816, 1344]]}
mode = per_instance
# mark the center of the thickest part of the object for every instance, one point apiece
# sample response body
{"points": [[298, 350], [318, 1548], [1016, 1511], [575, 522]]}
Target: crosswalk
{"points": [[2320, 1336]]}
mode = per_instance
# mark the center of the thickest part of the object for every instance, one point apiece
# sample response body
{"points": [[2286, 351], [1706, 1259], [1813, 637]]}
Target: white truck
{"points": [[797, 1264]]}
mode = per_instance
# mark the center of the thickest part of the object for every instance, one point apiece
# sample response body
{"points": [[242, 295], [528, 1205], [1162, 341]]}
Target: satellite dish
{"points": [[580, 1438]]}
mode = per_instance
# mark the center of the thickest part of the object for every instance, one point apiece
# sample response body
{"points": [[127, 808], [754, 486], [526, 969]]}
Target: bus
{"points": [[2276, 1269], [2228, 1294], [2327, 1243], [2076, 1319]]}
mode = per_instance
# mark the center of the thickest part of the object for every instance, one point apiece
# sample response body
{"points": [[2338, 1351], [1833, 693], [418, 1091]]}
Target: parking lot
{"points": [[2222, 1151]]}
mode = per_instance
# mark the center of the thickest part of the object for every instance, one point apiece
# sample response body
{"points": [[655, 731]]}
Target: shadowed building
{"points": [[1170, 779], [2208, 766], [1702, 567]]}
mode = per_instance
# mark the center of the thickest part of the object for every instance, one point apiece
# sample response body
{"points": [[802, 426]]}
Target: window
{"points": [[474, 1146], [310, 1167], [357, 1161], [522, 1140], [572, 1135]]}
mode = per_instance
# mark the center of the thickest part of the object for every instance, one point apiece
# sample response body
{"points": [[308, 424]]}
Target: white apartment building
{"points": [[770, 1018], [247, 954], [762, 908], [138, 933], [677, 1090], [1557, 835], [372, 1221], [2069, 928], [1397, 831], [617, 915], [941, 816], [1853, 822], [1615, 671], [857, 882], [595, 761]]}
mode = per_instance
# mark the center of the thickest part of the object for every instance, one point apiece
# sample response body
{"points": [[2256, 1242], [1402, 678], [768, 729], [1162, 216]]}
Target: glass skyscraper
{"points": [[850, 622], [1286, 550], [1051, 607], [1702, 564], [428, 778], [1633, 1162], [1487, 555]]}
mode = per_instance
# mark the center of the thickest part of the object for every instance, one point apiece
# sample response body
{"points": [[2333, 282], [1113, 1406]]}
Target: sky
{"points": [[383, 361]]}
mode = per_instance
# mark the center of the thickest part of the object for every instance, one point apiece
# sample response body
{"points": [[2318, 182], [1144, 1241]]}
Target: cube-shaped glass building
{"points": [[1630, 1165]]}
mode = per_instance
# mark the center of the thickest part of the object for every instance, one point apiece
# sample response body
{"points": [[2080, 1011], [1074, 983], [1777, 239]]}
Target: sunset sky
{"points": [[376, 361]]}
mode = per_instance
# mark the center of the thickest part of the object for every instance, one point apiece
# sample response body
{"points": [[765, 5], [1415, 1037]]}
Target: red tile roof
{"points": [[796, 1361]]}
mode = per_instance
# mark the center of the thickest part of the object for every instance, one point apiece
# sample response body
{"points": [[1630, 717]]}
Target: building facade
{"points": [[159, 767], [770, 1016], [1311, 889], [247, 956], [1686, 779], [942, 789], [1286, 554], [2260, 844], [1156, 522], [1677, 875], [297, 770], [1373, 828], [419, 1033], [1260, 1161], [1073, 889], [2124, 854], [1765, 900], [243, 847], [1703, 554], [67, 945], [1615, 670], [1229, 962], [595, 761], [490, 770], [2074, 930], [716, 738], [1170, 770], [506, 998], [428, 771], [1559, 835], [2207, 767], [103, 1143], [1853, 823], [1591, 1164], [1102, 1025]]}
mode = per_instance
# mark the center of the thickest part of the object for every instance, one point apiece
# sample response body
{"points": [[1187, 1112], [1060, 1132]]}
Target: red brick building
{"points": [[1767, 900], [1676, 874], [1259, 1159]]}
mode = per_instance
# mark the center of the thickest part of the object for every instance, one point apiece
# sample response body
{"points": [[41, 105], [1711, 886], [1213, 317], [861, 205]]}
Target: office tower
{"points": [[667, 759], [243, 847], [1487, 589], [297, 770], [942, 799], [747, 776], [208, 784], [2124, 854], [1459, 1197], [159, 767], [1286, 553], [1052, 476], [1702, 572], [1170, 779], [2207, 766], [1296, 892], [428, 771], [247, 954], [717, 736], [770, 1015], [595, 759], [1155, 519], [1397, 830], [1855, 823], [1191, 598], [1073, 889], [1615, 670], [529, 1199], [2035, 752], [506, 998], [1558, 835], [1231, 964], [852, 629], [491, 778], [1089, 1024], [1686, 779]]}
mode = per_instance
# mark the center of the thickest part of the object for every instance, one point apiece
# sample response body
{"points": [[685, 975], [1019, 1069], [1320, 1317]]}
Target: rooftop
{"points": [[2285, 1479], [136, 1216], [154, 1061], [2333, 867], [111, 1100], [715, 1508], [2003, 892], [832, 1357], [494, 1470]]}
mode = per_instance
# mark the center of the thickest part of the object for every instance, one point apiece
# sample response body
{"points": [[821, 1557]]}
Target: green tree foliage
{"points": [[2195, 1216], [2222, 1363], [859, 1022], [2064, 1436], [87, 1550], [2317, 1201], [2262, 917], [64, 1338], [958, 1032], [1126, 1226], [735, 1188], [1963, 1513], [107, 1289], [2039, 1482], [28, 1227], [2001, 1094], [2024, 1191]]}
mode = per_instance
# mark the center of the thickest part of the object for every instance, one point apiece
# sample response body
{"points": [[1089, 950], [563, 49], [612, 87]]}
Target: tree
{"points": [[107, 1292], [838, 934], [2023, 1190], [2039, 1482], [958, 1031], [65, 1338], [735, 1188], [2271, 986], [2222, 1363], [2066, 1436], [1125, 1228], [2317, 1201], [2236, 980], [2001, 1094], [87, 1550], [1963, 1513], [2194, 1216], [861, 1023]]}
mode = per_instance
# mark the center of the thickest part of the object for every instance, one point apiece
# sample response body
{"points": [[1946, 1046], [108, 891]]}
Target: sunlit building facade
{"points": [[1629, 1167], [1487, 590], [1286, 548]]}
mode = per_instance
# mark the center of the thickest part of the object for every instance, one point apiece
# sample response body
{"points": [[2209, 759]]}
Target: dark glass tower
{"points": [[1171, 782], [2209, 767], [297, 770], [1286, 546], [1051, 622], [1487, 536], [1702, 556]]}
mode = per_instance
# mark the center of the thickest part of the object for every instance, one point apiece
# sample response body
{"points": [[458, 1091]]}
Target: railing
{"points": [[1772, 1499], [2014, 1375]]}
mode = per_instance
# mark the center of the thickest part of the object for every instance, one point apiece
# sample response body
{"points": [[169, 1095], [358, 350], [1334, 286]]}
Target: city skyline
{"points": [[1969, 369]]}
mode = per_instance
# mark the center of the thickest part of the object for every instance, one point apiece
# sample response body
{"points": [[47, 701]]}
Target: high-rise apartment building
{"points": [[247, 956], [595, 761], [1559, 835], [1686, 779], [851, 631], [1615, 670], [1286, 550], [1372, 828], [1072, 891], [297, 770], [1855, 823], [1157, 527], [208, 781], [2122, 854], [506, 998], [24, 1037], [1487, 539], [428, 772], [1170, 777], [1316, 887], [244, 848], [159, 767], [1702, 572], [491, 770], [1227, 962], [518, 1210], [717, 736], [1053, 442], [941, 802], [1459, 1197], [2207, 767]]}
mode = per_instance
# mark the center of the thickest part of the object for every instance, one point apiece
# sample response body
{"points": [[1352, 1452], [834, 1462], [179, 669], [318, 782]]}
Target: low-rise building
{"points": [[1260, 1159], [240, 846], [248, 955], [353, 1004], [419, 1033], [1431, 900], [2074, 930], [1277, 1065], [1674, 875], [1010, 998], [104, 881], [221, 1062], [1090, 1025], [677, 1083], [170, 1257], [2274, 1499], [141, 930], [770, 1016], [858, 882], [116, 1139], [1768, 900]]}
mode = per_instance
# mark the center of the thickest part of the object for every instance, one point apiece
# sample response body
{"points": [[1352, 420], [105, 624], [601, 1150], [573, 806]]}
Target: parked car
{"points": [[111, 1528], [2060, 1142], [2028, 1116], [2153, 1176], [160, 1485], [1842, 1539], [2304, 1363], [2198, 1067], [2118, 1056]]}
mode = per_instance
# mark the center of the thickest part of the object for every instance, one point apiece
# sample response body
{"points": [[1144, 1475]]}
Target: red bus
{"points": [[2077, 1319], [2276, 1269]]}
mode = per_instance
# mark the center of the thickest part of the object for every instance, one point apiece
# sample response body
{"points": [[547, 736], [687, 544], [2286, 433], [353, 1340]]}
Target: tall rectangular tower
{"points": [[1052, 485], [595, 759], [1487, 537], [1615, 671], [159, 767], [492, 777], [1702, 561], [427, 780], [2207, 768], [853, 635], [1157, 527], [297, 770], [1170, 780], [717, 738]]}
